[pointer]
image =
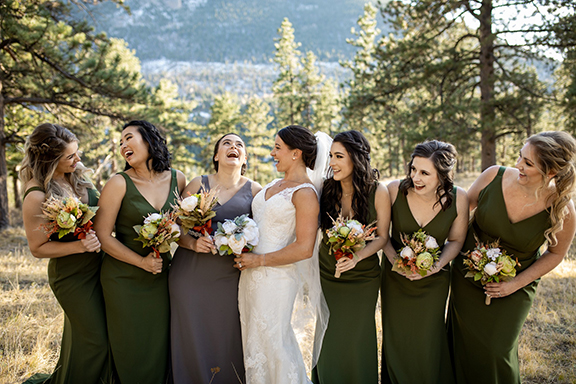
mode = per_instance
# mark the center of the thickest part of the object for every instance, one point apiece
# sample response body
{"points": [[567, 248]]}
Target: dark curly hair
{"points": [[364, 180], [298, 137], [157, 149], [216, 147], [443, 156]]}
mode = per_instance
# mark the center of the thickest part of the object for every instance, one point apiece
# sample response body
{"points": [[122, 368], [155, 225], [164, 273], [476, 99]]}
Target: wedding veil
{"points": [[310, 316]]}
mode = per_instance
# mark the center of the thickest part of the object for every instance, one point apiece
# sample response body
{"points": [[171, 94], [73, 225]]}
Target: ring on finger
{"points": [[239, 265]]}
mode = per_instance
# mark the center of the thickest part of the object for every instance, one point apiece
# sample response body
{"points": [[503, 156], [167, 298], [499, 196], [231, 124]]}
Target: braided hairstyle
{"points": [[443, 156], [364, 179], [43, 150], [555, 153]]}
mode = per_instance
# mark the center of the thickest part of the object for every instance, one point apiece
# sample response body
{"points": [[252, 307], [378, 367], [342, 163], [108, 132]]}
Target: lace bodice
{"points": [[276, 217]]}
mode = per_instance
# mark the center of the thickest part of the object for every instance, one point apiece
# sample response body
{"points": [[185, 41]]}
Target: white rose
{"points": [[189, 203], [493, 253], [491, 269], [407, 253], [237, 245], [251, 235], [431, 243], [354, 226], [220, 240], [152, 218], [229, 227], [175, 230], [249, 223]]}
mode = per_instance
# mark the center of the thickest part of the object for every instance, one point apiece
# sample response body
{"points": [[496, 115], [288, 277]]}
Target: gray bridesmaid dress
{"points": [[205, 323]]}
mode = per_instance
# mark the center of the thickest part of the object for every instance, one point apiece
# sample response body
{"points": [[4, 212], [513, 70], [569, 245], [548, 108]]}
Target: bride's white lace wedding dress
{"points": [[266, 297]]}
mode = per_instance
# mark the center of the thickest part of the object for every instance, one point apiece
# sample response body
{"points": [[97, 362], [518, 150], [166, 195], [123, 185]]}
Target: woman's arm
{"points": [[39, 244], [203, 244], [479, 184], [547, 262], [110, 202], [307, 208], [456, 236], [382, 206], [388, 249]]}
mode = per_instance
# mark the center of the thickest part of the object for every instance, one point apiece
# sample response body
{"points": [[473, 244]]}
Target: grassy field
{"points": [[31, 319]]}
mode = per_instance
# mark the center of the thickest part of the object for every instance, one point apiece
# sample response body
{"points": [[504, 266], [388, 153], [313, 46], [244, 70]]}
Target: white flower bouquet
{"points": [[489, 263], [418, 255], [346, 237], [236, 236], [158, 232]]}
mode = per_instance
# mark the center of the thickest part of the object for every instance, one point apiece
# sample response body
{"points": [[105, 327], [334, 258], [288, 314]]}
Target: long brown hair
{"points": [[555, 151], [42, 152]]}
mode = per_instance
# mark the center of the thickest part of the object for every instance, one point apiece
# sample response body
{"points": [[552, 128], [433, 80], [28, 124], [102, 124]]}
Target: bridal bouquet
{"points": [[195, 211], [236, 236], [489, 263], [67, 215], [158, 232], [346, 237], [418, 255]]}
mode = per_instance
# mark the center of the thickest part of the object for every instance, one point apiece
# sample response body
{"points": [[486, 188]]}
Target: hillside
{"points": [[228, 30]]}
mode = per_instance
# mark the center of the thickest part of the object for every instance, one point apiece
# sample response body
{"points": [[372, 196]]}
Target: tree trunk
{"points": [[16, 189], [487, 111], [4, 221]]}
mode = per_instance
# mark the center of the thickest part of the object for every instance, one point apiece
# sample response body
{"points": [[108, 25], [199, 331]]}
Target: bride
{"points": [[286, 212]]}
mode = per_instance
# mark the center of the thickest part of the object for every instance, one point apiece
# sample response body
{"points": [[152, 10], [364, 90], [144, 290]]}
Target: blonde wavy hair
{"points": [[556, 152], [43, 150]]}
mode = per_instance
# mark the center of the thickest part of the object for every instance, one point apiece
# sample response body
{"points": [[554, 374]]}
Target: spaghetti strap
{"points": [[30, 190]]}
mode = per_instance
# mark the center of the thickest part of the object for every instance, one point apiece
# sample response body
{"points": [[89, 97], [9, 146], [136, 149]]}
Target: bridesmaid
{"points": [[135, 283], [349, 349], [415, 344], [524, 207], [51, 167], [205, 325]]}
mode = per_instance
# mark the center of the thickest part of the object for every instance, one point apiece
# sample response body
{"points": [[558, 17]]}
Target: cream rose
{"points": [[237, 244], [189, 203]]}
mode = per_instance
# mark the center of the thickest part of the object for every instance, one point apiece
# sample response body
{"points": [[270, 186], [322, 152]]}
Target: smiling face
{"points": [[231, 152], [69, 160], [341, 162], [282, 154], [133, 147], [424, 176], [528, 167]]}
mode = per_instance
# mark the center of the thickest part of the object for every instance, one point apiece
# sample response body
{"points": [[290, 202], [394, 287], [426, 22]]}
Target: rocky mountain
{"points": [[228, 30]]}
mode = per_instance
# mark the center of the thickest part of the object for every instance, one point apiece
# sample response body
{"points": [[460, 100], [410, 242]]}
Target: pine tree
{"points": [[286, 87], [256, 124]]}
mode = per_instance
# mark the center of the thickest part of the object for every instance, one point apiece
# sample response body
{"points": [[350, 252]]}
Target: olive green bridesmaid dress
{"points": [[485, 337], [349, 351], [75, 281], [137, 301], [414, 339]]}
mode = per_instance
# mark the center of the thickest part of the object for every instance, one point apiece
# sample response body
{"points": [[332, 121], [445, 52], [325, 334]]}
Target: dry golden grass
{"points": [[31, 319]]}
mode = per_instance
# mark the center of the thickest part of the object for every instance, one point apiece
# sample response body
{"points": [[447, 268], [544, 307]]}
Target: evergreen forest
{"points": [[483, 75]]}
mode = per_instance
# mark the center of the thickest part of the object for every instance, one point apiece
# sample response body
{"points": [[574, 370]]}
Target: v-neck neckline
{"points": [[412, 214], [146, 200], [501, 189], [234, 195]]}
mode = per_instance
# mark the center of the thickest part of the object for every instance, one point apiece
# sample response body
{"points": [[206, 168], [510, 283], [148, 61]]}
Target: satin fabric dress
{"points": [[485, 337], [137, 301]]}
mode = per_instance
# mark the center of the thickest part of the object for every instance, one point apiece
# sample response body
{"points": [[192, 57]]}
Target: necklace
{"points": [[232, 186]]}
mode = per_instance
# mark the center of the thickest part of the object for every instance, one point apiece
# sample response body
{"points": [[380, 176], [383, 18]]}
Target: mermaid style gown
{"points": [[266, 297], [205, 322]]}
